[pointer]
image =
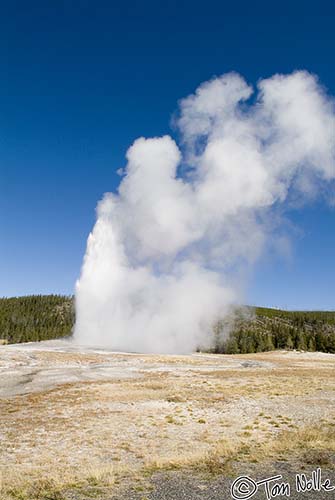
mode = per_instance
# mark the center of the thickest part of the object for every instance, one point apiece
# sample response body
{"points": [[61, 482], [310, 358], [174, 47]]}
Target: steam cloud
{"points": [[162, 262]]}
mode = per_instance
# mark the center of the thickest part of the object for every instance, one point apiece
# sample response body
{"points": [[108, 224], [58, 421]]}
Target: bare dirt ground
{"points": [[85, 423]]}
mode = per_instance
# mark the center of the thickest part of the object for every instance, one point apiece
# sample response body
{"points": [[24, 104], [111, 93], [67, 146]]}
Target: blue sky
{"points": [[80, 80]]}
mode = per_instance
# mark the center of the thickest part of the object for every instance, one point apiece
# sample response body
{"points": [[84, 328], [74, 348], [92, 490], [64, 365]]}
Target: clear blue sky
{"points": [[80, 80]]}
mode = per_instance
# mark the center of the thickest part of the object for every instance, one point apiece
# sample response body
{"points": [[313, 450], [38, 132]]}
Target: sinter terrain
{"points": [[79, 423]]}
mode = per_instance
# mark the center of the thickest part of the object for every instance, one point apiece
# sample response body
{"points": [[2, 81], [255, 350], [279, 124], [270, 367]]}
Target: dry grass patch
{"points": [[59, 484], [317, 443]]}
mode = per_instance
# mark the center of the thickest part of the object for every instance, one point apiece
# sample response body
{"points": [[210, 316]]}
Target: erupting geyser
{"points": [[163, 260]]}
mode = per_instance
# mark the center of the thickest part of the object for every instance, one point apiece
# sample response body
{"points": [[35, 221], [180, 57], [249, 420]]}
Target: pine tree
{"points": [[289, 343]]}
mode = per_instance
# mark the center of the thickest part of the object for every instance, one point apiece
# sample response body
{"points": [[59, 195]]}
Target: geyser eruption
{"points": [[164, 257]]}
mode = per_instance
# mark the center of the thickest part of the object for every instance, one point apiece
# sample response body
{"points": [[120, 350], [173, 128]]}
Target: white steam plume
{"points": [[162, 259]]}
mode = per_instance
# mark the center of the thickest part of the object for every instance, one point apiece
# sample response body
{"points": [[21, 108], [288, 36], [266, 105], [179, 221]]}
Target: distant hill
{"points": [[262, 329], [247, 329], [35, 317]]}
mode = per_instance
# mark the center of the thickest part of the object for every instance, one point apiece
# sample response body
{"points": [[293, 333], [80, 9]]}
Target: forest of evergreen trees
{"points": [[35, 317], [247, 330], [262, 329]]}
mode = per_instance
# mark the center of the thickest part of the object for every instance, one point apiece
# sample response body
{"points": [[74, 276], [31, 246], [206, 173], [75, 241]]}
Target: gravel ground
{"points": [[188, 486]]}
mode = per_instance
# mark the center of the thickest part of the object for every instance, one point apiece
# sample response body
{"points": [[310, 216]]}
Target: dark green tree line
{"points": [[35, 317], [265, 329]]}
